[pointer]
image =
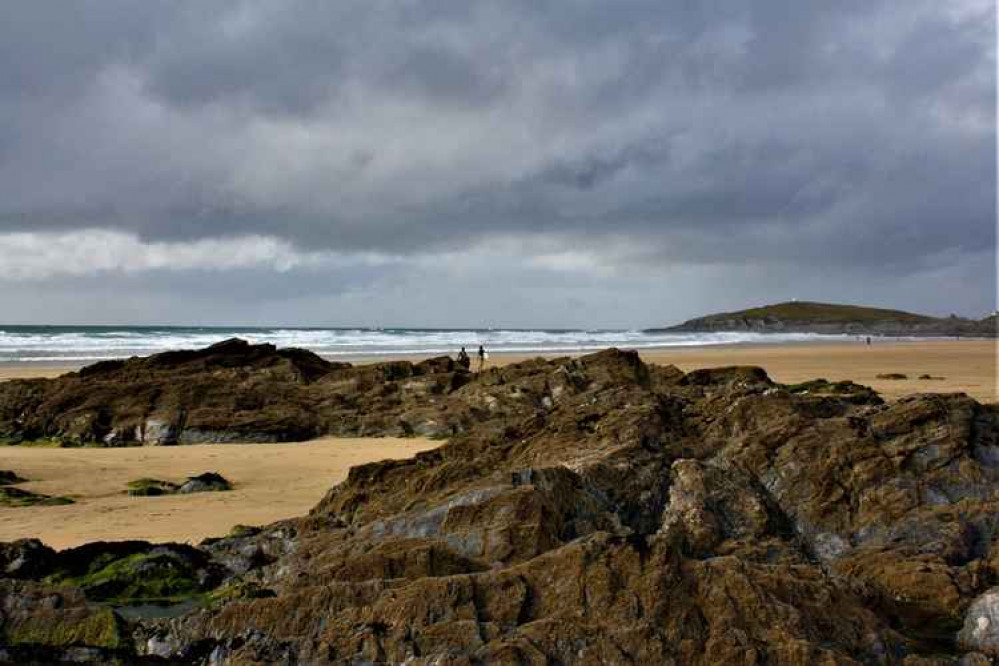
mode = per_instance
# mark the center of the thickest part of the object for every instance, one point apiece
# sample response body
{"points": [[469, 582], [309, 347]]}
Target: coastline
{"points": [[968, 366]]}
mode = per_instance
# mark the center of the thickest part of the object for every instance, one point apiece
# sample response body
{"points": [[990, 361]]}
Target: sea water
{"points": [[85, 344]]}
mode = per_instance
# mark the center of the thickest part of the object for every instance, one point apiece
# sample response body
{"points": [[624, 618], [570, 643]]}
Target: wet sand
{"points": [[271, 482]]}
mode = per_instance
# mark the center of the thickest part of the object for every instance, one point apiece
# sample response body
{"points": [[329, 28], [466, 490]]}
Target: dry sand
{"points": [[28, 371], [272, 481], [275, 481], [963, 366]]}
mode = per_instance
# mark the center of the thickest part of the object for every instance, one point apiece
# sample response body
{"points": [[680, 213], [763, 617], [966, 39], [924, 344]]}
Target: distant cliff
{"points": [[808, 317]]}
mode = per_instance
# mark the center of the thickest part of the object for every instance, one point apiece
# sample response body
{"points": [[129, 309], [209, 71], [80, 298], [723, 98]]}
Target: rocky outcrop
{"points": [[232, 391], [599, 510], [833, 319]]}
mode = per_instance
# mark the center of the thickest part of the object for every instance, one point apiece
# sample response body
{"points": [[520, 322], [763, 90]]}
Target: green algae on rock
{"points": [[133, 572], [16, 497], [207, 482], [147, 487]]}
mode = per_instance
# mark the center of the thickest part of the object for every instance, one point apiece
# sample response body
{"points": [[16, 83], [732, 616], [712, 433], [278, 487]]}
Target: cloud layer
{"points": [[848, 141]]}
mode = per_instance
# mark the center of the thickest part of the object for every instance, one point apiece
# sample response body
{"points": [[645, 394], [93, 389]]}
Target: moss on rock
{"points": [[15, 497], [34, 443], [96, 628], [239, 589], [147, 487], [156, 574]]}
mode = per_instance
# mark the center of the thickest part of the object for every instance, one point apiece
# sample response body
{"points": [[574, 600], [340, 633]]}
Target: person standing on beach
{"points": [[482, 357], [463, 359]]}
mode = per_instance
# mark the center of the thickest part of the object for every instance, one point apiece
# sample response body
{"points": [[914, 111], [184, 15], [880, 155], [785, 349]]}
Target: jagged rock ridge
{"points": [[603, 511]]}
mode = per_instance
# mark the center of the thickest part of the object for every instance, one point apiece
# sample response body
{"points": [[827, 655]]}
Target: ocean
{"points": [[84, 344]]}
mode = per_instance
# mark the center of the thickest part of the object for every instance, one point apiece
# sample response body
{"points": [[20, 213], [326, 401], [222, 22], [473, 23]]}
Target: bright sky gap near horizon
{"points": [[520, 164]]}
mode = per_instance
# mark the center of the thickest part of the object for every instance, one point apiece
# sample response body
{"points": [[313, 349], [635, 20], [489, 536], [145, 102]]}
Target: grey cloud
{"points": [[851, 134]]}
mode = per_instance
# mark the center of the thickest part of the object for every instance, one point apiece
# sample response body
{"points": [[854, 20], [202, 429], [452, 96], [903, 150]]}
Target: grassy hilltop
{"points": [[832, 318]]}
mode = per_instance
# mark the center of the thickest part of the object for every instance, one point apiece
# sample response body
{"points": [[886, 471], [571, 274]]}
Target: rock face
{"points": [[599, 510], [833, 319]]}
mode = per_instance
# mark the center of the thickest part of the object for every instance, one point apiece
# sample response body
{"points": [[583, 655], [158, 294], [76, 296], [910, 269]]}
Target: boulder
{"points": [[980, 632], [26, 559], [207, 482], [150, 487]]}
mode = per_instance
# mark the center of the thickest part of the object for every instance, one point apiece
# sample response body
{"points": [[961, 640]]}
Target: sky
{"points": [[522, 163]]}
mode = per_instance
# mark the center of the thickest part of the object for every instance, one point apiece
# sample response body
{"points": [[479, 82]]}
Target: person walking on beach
{"points": [[482, 357], [463, 359]]}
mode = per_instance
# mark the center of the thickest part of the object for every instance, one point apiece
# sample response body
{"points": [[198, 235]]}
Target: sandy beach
{"points": [[271, 482], [967, 366]]}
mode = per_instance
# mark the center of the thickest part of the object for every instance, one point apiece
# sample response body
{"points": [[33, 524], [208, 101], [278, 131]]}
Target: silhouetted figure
{"points": [[868, 340], [463, 359], [482, 357]]}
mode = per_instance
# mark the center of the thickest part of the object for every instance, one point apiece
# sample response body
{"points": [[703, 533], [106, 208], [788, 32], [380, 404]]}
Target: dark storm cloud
{"points": [[847, 133]]}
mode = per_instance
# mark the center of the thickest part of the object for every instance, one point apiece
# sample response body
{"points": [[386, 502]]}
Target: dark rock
{"points": [[232, 392], [8, 477], [15, 497], [207, 482], [41, 620], [856, 394], [150, 488], [26, 558], [131, 571], [729, 375]]}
